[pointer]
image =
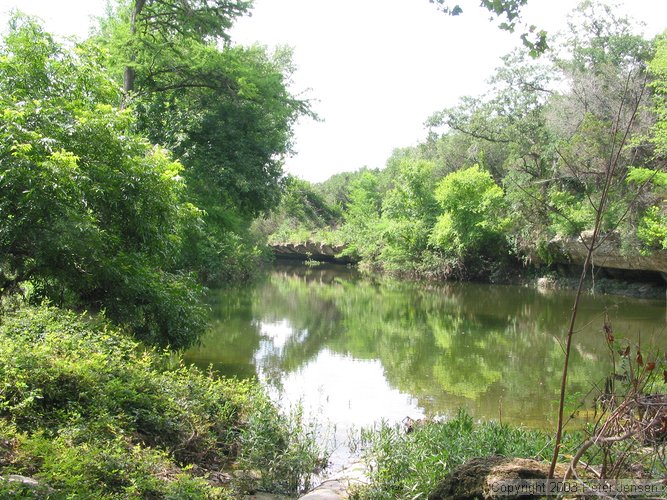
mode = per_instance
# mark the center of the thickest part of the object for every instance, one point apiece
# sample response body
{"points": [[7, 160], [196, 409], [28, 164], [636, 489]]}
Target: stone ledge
{"points": [[573, 250], [310, 250]]}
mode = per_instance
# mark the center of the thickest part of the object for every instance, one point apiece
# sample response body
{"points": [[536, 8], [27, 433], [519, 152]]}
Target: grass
{"points": [[409, 465]]}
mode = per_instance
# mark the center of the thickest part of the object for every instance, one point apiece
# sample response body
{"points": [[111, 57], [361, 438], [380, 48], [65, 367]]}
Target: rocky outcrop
{"points": [[480, 477], [609, 254], [310, 251]]}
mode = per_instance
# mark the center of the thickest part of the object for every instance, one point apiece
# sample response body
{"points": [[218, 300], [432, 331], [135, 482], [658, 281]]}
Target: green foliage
{"points": [[362, 218], [652, 226], [233, 133], [410, 465], [224, 110], [92, 213], [641, 176], [658, 68], [652, 230], [336, 189], [409, 210], [303, 215], [473, 213], [549, 146], [412, 194], [283, 450], [571, 214], [92, 414]]}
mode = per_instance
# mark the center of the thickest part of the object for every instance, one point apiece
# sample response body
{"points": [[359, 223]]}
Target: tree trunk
{"points": [[129, 73]]}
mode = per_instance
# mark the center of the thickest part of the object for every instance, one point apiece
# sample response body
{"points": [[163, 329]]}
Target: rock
{"points": [[24, 483], [547, 283], [339, 486], [27, 481], [609, 254], [310, 250], [474, 479], [265, 496]]}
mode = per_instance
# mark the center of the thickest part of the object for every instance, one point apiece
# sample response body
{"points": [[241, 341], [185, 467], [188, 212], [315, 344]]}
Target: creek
{"points": [[354, 350]]}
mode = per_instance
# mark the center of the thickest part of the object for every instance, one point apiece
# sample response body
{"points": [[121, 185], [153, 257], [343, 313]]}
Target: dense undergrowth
{"points": [[90, 413]]}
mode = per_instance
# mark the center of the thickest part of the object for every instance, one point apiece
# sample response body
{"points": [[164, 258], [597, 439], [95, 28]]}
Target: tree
{"points": [[472, 221], [153, 24], [362, 218], [92, 213], [602, 111], [658, 68], [225, 112], [505, 128], [652, 221], [302, 211], [409, 211]]}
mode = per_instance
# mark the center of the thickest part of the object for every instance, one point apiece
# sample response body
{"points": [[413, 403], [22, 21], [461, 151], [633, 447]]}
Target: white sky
{"points": [[376, 68]]}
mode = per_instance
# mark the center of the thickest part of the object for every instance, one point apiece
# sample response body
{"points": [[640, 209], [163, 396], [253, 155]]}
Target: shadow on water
{"points": [[359, 350]]}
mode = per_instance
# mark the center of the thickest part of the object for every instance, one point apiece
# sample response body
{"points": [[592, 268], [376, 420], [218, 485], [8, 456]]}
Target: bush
{"points": [[472, 221], [90, 413]]}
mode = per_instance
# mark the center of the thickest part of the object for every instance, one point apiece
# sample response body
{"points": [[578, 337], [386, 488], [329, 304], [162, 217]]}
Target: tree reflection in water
{"points": [[396, 347]]}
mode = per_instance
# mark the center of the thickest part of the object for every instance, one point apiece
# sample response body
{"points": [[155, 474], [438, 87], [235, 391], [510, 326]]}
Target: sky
{"points": [[374, 69]]}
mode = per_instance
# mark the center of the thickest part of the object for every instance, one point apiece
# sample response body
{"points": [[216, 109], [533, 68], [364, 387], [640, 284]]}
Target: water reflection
{"points": [[360, 350]]}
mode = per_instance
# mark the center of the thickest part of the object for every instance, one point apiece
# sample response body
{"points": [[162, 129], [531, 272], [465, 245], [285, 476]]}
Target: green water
{"points": [[356, 350]]}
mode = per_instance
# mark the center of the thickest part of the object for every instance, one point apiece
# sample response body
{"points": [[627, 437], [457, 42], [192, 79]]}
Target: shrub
{"points": [[92, 214]]}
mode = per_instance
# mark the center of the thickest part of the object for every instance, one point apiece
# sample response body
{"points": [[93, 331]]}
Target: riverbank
{"points": [[411, 461], [87, 412], [613, 273]]}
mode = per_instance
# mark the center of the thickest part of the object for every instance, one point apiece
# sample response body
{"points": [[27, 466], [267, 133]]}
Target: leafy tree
{"points": [[652, 225], [154, 23], [231, 136], [336, 189], [92, 214], [607, 76], [225, 111], [607, 79], [409, 211], [412, 195], [301, 213], [472, 221], [505, 128], [658, 68]]}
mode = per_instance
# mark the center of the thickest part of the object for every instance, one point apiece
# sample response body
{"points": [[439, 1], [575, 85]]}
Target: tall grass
{"points": [[409, 464]]}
